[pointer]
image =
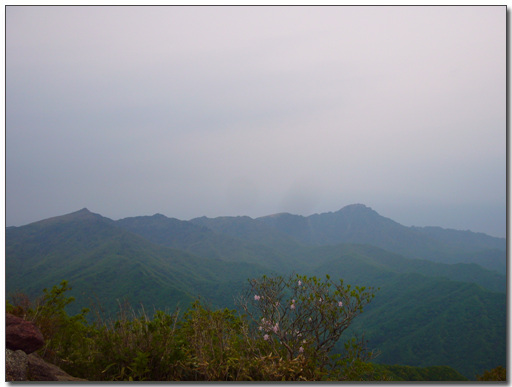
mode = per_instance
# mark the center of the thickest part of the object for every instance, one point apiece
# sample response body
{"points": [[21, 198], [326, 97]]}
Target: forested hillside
{"points": [[360, 224], [435, 305]]}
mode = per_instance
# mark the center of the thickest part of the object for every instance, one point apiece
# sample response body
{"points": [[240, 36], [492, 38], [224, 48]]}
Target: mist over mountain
{"points": [[448, 284]]}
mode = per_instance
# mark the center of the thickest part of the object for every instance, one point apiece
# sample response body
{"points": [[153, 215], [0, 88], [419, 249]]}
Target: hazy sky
{"points": [[191, 111]]}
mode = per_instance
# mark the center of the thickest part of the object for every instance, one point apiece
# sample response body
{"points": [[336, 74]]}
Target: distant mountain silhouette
{"points": [[360, 224]]}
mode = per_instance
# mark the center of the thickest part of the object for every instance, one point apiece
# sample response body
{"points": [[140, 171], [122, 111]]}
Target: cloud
{"points": [[193, 111]]}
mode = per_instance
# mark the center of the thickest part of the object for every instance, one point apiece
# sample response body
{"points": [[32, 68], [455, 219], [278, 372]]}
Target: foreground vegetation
{"points": [[286, 333], [290, 326]]}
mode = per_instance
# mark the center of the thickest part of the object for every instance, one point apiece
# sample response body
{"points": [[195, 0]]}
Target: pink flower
{"points": [[276, 328], [256, 297], [301, 350], [300, 283], [266, 337], [340, 304], [292, 306]]}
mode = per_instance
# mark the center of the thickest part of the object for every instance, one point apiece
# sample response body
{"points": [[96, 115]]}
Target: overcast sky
{"points": [[192, 111]]}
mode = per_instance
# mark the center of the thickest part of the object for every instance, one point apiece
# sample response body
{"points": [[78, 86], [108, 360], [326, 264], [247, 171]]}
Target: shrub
{"points": [[136, 347], [496, 374], [216, 347], [302, 318], [63, 334], [287, 333]]}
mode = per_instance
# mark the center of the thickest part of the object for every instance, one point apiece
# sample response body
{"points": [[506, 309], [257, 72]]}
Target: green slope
{"points": [[105, 263], [284, 255], [360, 224], [437, 322], [367, 263], [422, 320], [248, 229], [200, 240], [426, 313]]}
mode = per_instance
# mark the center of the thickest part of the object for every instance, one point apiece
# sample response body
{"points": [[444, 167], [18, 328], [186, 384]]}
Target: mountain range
{"points": [[442, 297]]}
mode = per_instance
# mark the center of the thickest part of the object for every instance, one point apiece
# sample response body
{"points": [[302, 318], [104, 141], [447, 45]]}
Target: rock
{"points": [[39, 370], [22, 339], [16, 363], [21, 334]]}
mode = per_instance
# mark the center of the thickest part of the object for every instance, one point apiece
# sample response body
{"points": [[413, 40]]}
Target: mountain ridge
{"points": [[351, 208], [92, 251], [164, 262], [355, 223], [361, 224]]}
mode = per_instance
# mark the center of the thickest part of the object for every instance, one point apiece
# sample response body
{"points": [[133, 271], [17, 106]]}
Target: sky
{"points": [[224, 111]]}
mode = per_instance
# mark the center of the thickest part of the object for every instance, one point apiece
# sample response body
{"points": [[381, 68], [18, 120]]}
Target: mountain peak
{"points": [[83, 213], [357, 210], [356, 207], [80, 215]]}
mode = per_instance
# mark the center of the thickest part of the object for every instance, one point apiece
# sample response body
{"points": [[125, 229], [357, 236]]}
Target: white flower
{"points": [[340, 304], [266, 337], [292, 306], [256, 297], [301, 350], [300, 283], [276, 328]]}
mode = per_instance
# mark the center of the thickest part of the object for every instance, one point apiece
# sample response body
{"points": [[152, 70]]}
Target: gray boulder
{"points": [[16, 363], [40, 370]]}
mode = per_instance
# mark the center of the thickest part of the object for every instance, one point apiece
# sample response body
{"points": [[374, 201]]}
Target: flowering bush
{"points": [[304, 317]]}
